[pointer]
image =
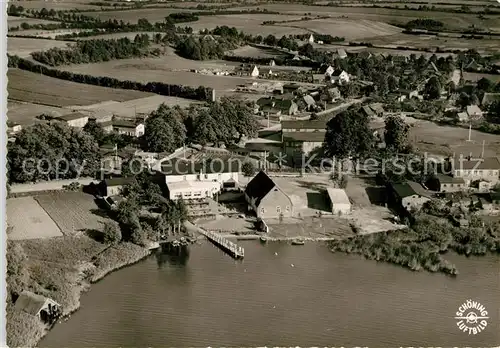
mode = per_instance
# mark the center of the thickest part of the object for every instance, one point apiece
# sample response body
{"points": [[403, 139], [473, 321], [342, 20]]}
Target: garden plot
{"points": [[73, 212], [27, 220]]}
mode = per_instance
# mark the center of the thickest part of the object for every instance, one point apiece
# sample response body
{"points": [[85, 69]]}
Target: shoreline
{"points": [[86, 274]]}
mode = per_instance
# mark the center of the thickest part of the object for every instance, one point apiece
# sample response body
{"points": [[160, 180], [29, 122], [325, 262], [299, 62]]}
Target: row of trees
{"points": [[225, 121], [92, 51], [204, 48], [199, 93], [348, 135], [51, 151]]}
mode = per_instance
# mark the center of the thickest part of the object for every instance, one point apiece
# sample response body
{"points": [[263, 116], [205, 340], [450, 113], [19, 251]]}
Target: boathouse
{"points": [[267, 199], [39, 306]]}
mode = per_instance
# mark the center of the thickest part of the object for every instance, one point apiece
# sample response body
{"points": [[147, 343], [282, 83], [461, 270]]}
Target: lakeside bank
{"points": [[48, 274]]}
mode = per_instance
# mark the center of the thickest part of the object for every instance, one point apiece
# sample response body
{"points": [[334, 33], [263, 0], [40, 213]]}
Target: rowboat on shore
{"points": [[298, 242]]}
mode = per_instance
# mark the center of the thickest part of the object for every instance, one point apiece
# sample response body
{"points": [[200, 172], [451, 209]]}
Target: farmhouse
{"points": [[368, 111], [75, 119], [489, 98], [327, 70], [311, 39], [410, 195], [124, 126], [266, 199], [339, 77], [471, 170], [331, 95], [113, 186], [214, 170], [446, 183], [302, 136], [192, 189], [474, 112], [339, 201], [39, 306], [275, 106], [13, 128], [408, 94]]}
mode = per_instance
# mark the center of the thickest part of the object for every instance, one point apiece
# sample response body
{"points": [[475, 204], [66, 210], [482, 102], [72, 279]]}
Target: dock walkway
{"points": [[229, 247]]}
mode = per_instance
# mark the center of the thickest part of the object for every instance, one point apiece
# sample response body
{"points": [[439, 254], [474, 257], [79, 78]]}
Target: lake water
{"points": [[325, 299]]}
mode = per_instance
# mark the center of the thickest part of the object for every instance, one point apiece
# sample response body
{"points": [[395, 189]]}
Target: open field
{"points": [[445, 140], [401, 2], [24, 46], [28, 220], [38, 89], [157, 69], [73, 212], [430, 41], [46, 33], [135, 107], [350, 29], [250, 51], [477, 76], [56, 4], [357, 49], [26, 113], [17, 21], [452, 20], [131, 16], [248, 23], [117, 36]]}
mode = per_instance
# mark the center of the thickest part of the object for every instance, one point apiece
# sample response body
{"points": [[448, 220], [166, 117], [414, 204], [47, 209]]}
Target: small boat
{"points": [[263, 239], [298, 242]]}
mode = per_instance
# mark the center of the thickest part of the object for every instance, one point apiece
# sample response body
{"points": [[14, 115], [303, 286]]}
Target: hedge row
{"points": [[199, 93]]}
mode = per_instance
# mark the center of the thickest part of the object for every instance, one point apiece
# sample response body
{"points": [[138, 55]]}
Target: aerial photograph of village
{"points": [[253, 173]]}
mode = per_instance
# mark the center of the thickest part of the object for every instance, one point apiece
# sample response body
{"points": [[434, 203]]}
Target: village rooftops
{"points": [[118, 181], [408, 189], [177, 166], [447, 179], [72, 116], [303, 124], [32, 303], [488, 163], [313, 137]]}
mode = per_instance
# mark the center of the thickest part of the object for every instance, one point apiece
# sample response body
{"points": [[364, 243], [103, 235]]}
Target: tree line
{"points": [[187, 92], [224, 121], [204, 48], [92, 51]]}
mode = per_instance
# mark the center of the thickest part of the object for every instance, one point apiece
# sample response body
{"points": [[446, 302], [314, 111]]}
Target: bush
{"points": [[248, 169], [111, 233]]}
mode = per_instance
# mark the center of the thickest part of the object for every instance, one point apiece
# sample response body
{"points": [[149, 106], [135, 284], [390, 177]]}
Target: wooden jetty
{"points": [[229, 247]]}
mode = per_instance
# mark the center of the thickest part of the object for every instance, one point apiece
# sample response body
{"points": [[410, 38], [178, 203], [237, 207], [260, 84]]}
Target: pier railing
{"points": [[225, 244]]}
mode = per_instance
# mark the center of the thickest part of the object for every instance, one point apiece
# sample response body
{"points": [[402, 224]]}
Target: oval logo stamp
{"points": [[472, 317]]}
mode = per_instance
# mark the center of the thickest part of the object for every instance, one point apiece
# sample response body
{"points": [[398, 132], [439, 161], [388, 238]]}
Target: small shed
{"points": [[339, 201], [113, 186], [37, 305]]}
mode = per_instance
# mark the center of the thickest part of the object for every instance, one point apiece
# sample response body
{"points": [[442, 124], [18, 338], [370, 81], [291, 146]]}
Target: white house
{"points": [[192, 189], [126, 127], [75, 119], [36, 305], [479, 169], [339, 77], [272, 62], [216, 170], [311, 39], [254, 72], [13, 127], [339, 201], [329, 71], [474, 112]]}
